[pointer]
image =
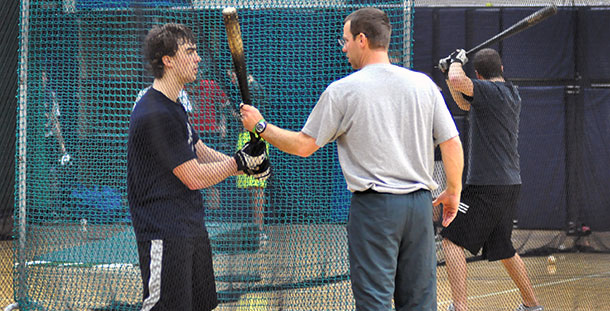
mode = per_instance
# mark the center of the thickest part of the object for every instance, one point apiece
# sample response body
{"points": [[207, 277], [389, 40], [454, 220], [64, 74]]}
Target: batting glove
{"points": [[443, 64], [459, 55], [251, 156], [263, 172]]}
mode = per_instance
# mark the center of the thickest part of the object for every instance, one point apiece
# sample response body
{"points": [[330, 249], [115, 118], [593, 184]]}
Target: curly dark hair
{"points": [[164, 40]]}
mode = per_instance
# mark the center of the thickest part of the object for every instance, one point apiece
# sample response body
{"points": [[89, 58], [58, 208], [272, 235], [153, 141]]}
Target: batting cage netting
{"points": [[281, 243], [278, 244]]}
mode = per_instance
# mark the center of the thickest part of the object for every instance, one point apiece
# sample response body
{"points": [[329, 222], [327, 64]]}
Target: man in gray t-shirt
{"points": [[386, 121]]}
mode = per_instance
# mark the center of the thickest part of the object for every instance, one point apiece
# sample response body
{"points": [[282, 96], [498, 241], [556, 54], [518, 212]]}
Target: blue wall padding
{"points": [[595, 42], [451, 36], [422, 40], [485, 23], [451, 31], [592, 182], [542, 149], [545, 51]]}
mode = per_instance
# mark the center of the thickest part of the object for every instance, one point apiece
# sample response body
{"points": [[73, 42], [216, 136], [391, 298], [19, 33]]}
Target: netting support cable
{"points": [[22, 148], [406, 41], [13, 306]]}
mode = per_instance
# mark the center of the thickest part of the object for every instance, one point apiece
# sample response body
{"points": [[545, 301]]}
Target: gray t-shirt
{"points": [[494, 131], [386, 120]]}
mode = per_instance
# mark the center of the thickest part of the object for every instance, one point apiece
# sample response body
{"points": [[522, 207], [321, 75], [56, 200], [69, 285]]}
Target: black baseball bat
{"points": [[521, 25]]}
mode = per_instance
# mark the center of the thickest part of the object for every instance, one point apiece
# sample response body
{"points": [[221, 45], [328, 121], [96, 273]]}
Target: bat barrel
{"points": [[237, 51], [236, 46]]}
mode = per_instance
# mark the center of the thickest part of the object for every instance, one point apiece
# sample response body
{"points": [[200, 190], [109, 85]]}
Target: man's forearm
{"points": [[296, 143], [288, 141], [217, 156], [206, 154], [196, 175], [458, 98], [458, 80]]}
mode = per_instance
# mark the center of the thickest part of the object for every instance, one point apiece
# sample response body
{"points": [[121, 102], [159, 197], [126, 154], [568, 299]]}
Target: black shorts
{"points": [[485, 220], [177, 274]]}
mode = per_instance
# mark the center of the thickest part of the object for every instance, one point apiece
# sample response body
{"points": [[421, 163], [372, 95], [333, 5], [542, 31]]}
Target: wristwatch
{"points": [[260, 126]]}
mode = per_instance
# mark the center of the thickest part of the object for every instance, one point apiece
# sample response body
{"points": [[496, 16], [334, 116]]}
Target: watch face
{"points": [[260, 127]]}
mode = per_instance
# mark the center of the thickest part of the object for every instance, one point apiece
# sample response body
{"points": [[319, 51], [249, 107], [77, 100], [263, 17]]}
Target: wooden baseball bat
{"points": [[237, 52], [236, 46]]}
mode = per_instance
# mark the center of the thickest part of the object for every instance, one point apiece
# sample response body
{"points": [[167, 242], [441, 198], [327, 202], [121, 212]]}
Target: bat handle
{"points": [[254, 137]]}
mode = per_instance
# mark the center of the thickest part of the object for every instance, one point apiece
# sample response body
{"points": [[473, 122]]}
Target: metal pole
{"points": [[407, 9], [22, 148]]}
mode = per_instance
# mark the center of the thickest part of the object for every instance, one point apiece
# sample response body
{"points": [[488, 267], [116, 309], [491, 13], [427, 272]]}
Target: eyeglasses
{"points": [[341, 42]]}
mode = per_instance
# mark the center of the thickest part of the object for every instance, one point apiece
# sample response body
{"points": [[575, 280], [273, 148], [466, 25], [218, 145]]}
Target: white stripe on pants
{"points": [[154, 281]]}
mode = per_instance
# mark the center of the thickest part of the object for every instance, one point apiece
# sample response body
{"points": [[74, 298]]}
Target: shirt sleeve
{"points": [[480, 91], [325, 120]]}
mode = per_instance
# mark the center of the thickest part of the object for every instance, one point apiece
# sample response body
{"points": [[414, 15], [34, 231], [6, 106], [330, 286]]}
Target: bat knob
{"points": [[65, 159], [229, 11]]}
